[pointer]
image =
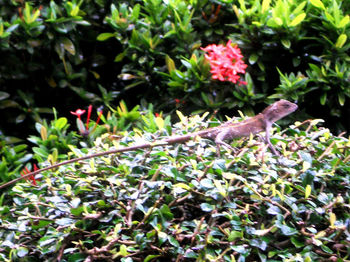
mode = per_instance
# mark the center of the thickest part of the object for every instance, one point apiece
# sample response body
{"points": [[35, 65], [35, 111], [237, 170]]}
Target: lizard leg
{"points": [[219, 141], [267, 141]]}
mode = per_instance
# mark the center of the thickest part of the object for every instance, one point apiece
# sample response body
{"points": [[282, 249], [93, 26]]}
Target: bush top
{"points": [[182, 203]]}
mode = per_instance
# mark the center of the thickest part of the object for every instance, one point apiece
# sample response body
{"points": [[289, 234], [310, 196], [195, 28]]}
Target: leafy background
{"points": [[142, 61], [183, 203], [73, 53]]}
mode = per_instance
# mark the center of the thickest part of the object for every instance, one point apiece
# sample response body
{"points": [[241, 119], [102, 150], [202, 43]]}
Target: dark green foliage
{"points": [[80, 52], [183, 203], [54, 140]]}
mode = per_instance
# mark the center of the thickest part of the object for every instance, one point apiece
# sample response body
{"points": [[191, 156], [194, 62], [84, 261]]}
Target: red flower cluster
{"points": [[31, 178], [226, 62]]}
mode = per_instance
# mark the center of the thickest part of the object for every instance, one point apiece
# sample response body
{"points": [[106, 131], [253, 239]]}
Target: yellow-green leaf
{"points": [[265, 5], [35, 16], [278, 21], [344, 22], [43, 133], [54, 155], [26, 13], [306, 166], [183, 186], [320, 234], [341, 41], [123, 251], [286, 43], [68, 45], [170, 63], [92, 165], [119, 57], [74, 11], [318, 4], [332, 219], [68, 189], [307, 259], [220, 188], [48, 182], [229, 176], [298, 19], [193, 164], [105, 36], [182, 118], [160, 123], [307, 191], [341, 99], [262, 232]]}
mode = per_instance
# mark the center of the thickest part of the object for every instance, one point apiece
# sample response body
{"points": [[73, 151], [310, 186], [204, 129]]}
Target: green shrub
{"points": [[54, 139], [182, 202], [83, 52]]}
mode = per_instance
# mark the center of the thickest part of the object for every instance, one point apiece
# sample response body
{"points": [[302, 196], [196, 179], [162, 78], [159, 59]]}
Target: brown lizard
{"points": [[227, 131]]}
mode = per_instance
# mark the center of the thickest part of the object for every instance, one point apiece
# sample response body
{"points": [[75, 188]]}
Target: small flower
{"points": [[225, 62], [85, 130], [179, 101], [79, 112]]}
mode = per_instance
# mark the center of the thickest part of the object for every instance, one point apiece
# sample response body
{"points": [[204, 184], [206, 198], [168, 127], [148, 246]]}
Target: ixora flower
{"points": [[31, 178], [79, 112], [225, 62]]}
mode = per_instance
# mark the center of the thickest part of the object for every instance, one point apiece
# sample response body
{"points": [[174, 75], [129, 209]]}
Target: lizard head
{"points": [[278, 110]]}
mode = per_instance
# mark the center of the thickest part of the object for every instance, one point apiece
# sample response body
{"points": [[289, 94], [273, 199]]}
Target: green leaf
{"points": [[136, 12], [41, 152], [344, 22], [297, 243], [307, 191], [341, 99], [326, 249], [166, 212], [173, 241], [119, 57], [41, 224], [234, 235], [278, 21], [123, 251], [253, 58], [299, 8], [105, 36], [288, 231], [151, 257], [323, 99], [60, 123], [318, 4], [265, 6], [68, 45], [341, 41], [297, 20], [183, 186], [286, 43], [170, 64], [207, 207]]}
